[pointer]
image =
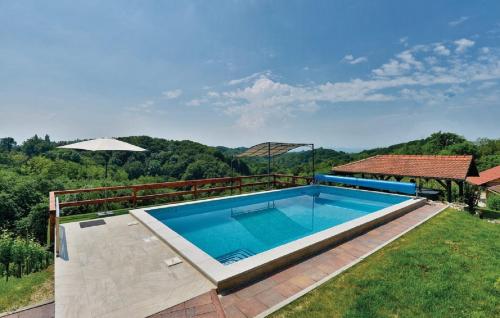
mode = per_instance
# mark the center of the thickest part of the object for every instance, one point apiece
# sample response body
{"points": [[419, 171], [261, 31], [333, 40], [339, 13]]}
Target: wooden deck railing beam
{"points": [[188, 187]]}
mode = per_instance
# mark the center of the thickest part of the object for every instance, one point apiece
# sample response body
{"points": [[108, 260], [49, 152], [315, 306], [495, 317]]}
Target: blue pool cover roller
{"points": [[393, 186]]}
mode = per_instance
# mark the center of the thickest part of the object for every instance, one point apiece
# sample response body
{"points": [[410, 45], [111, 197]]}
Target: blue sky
{"points": [[348, 74]]}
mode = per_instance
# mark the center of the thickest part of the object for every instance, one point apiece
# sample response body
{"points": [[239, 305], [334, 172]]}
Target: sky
{"points": [[340, 74]]}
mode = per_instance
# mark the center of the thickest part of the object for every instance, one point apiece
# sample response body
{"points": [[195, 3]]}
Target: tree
{"points": [[6, 252], [18, 254], [8, 211], [204, 168], [154, 168], [25, 195], [440, 141], [463, 148], [494, 202], [35, 223], [36, 145], [7, 144], [134, 169]]}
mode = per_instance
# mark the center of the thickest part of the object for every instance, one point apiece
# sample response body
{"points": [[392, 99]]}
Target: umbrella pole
{"points": [[106, 170], [105, 183]]}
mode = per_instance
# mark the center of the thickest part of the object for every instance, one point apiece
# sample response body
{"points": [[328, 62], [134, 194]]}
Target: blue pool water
{"points": [[238, 227]]}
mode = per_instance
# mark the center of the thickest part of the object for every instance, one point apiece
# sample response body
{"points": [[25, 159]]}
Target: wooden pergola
{"points": [[443, 169]]}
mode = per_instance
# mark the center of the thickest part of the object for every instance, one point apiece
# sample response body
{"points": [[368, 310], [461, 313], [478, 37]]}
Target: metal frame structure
{"points": [[270, 150]]}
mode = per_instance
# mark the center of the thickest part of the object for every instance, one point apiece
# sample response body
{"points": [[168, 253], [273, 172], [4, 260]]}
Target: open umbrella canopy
{"points": [[103, 144]]}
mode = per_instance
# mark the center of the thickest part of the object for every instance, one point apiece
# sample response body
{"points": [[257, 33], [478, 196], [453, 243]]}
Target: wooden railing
{"points": [[195, 188]]}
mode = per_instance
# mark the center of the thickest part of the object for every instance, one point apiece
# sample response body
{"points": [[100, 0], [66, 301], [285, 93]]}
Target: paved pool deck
{"points": [[117, 270]]}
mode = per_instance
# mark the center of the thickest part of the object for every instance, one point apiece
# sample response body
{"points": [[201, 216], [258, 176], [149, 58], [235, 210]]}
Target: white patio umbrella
{"points": [[103, 144]]}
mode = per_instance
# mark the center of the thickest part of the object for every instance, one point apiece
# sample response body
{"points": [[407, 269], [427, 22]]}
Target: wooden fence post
{"points": [[134, 197], [52, 217]]}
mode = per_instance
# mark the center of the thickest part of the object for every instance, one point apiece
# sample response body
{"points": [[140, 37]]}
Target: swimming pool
{"points": [[233, 233]]}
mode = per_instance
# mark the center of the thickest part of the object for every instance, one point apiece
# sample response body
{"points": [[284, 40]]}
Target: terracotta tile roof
{"points": [[485, 176], [441, 167]]}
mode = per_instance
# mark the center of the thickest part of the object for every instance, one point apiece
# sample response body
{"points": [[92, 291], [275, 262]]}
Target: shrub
{"points": [[494, 202], [5, 253], [26, 256]]}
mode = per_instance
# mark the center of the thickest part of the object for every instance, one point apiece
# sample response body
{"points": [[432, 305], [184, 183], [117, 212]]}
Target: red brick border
{"points": [[206, 305]]}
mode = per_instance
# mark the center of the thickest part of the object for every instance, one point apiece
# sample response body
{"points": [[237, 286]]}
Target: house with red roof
{"points": [[488, 180]]}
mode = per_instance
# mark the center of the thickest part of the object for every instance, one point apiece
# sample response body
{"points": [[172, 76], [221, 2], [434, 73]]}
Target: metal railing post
{"points": [[57, 238]]}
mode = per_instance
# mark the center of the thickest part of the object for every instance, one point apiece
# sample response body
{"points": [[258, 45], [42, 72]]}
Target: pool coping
{"points": [[233, 275]]}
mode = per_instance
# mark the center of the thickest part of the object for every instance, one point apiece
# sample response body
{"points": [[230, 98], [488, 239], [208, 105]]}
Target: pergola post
{"points": [[448, 190], [460, 189], [313, 166], [268, 165]]}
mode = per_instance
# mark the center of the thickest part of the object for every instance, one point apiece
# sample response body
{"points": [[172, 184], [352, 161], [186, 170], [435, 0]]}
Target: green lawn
{"points": [[448, 267], [88, 216], [30, 289]]}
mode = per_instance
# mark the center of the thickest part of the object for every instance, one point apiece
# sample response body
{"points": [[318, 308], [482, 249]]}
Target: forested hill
{"points": [[485, 151], [29, 170]]}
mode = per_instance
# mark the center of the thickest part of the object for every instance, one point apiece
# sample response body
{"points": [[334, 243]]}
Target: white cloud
{"points": [[463, 44], [485, 50], [249, 78], [458, 21], [351, 60], [145, 107], [487, 85], [403, 63], [440, 49], [392, 68], [196, 102], [432, 60], [422, 74], [407, 57], [173, 94], [404, 41]]}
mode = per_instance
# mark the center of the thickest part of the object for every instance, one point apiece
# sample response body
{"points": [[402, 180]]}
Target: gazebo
{"points": [[443, 169]]}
